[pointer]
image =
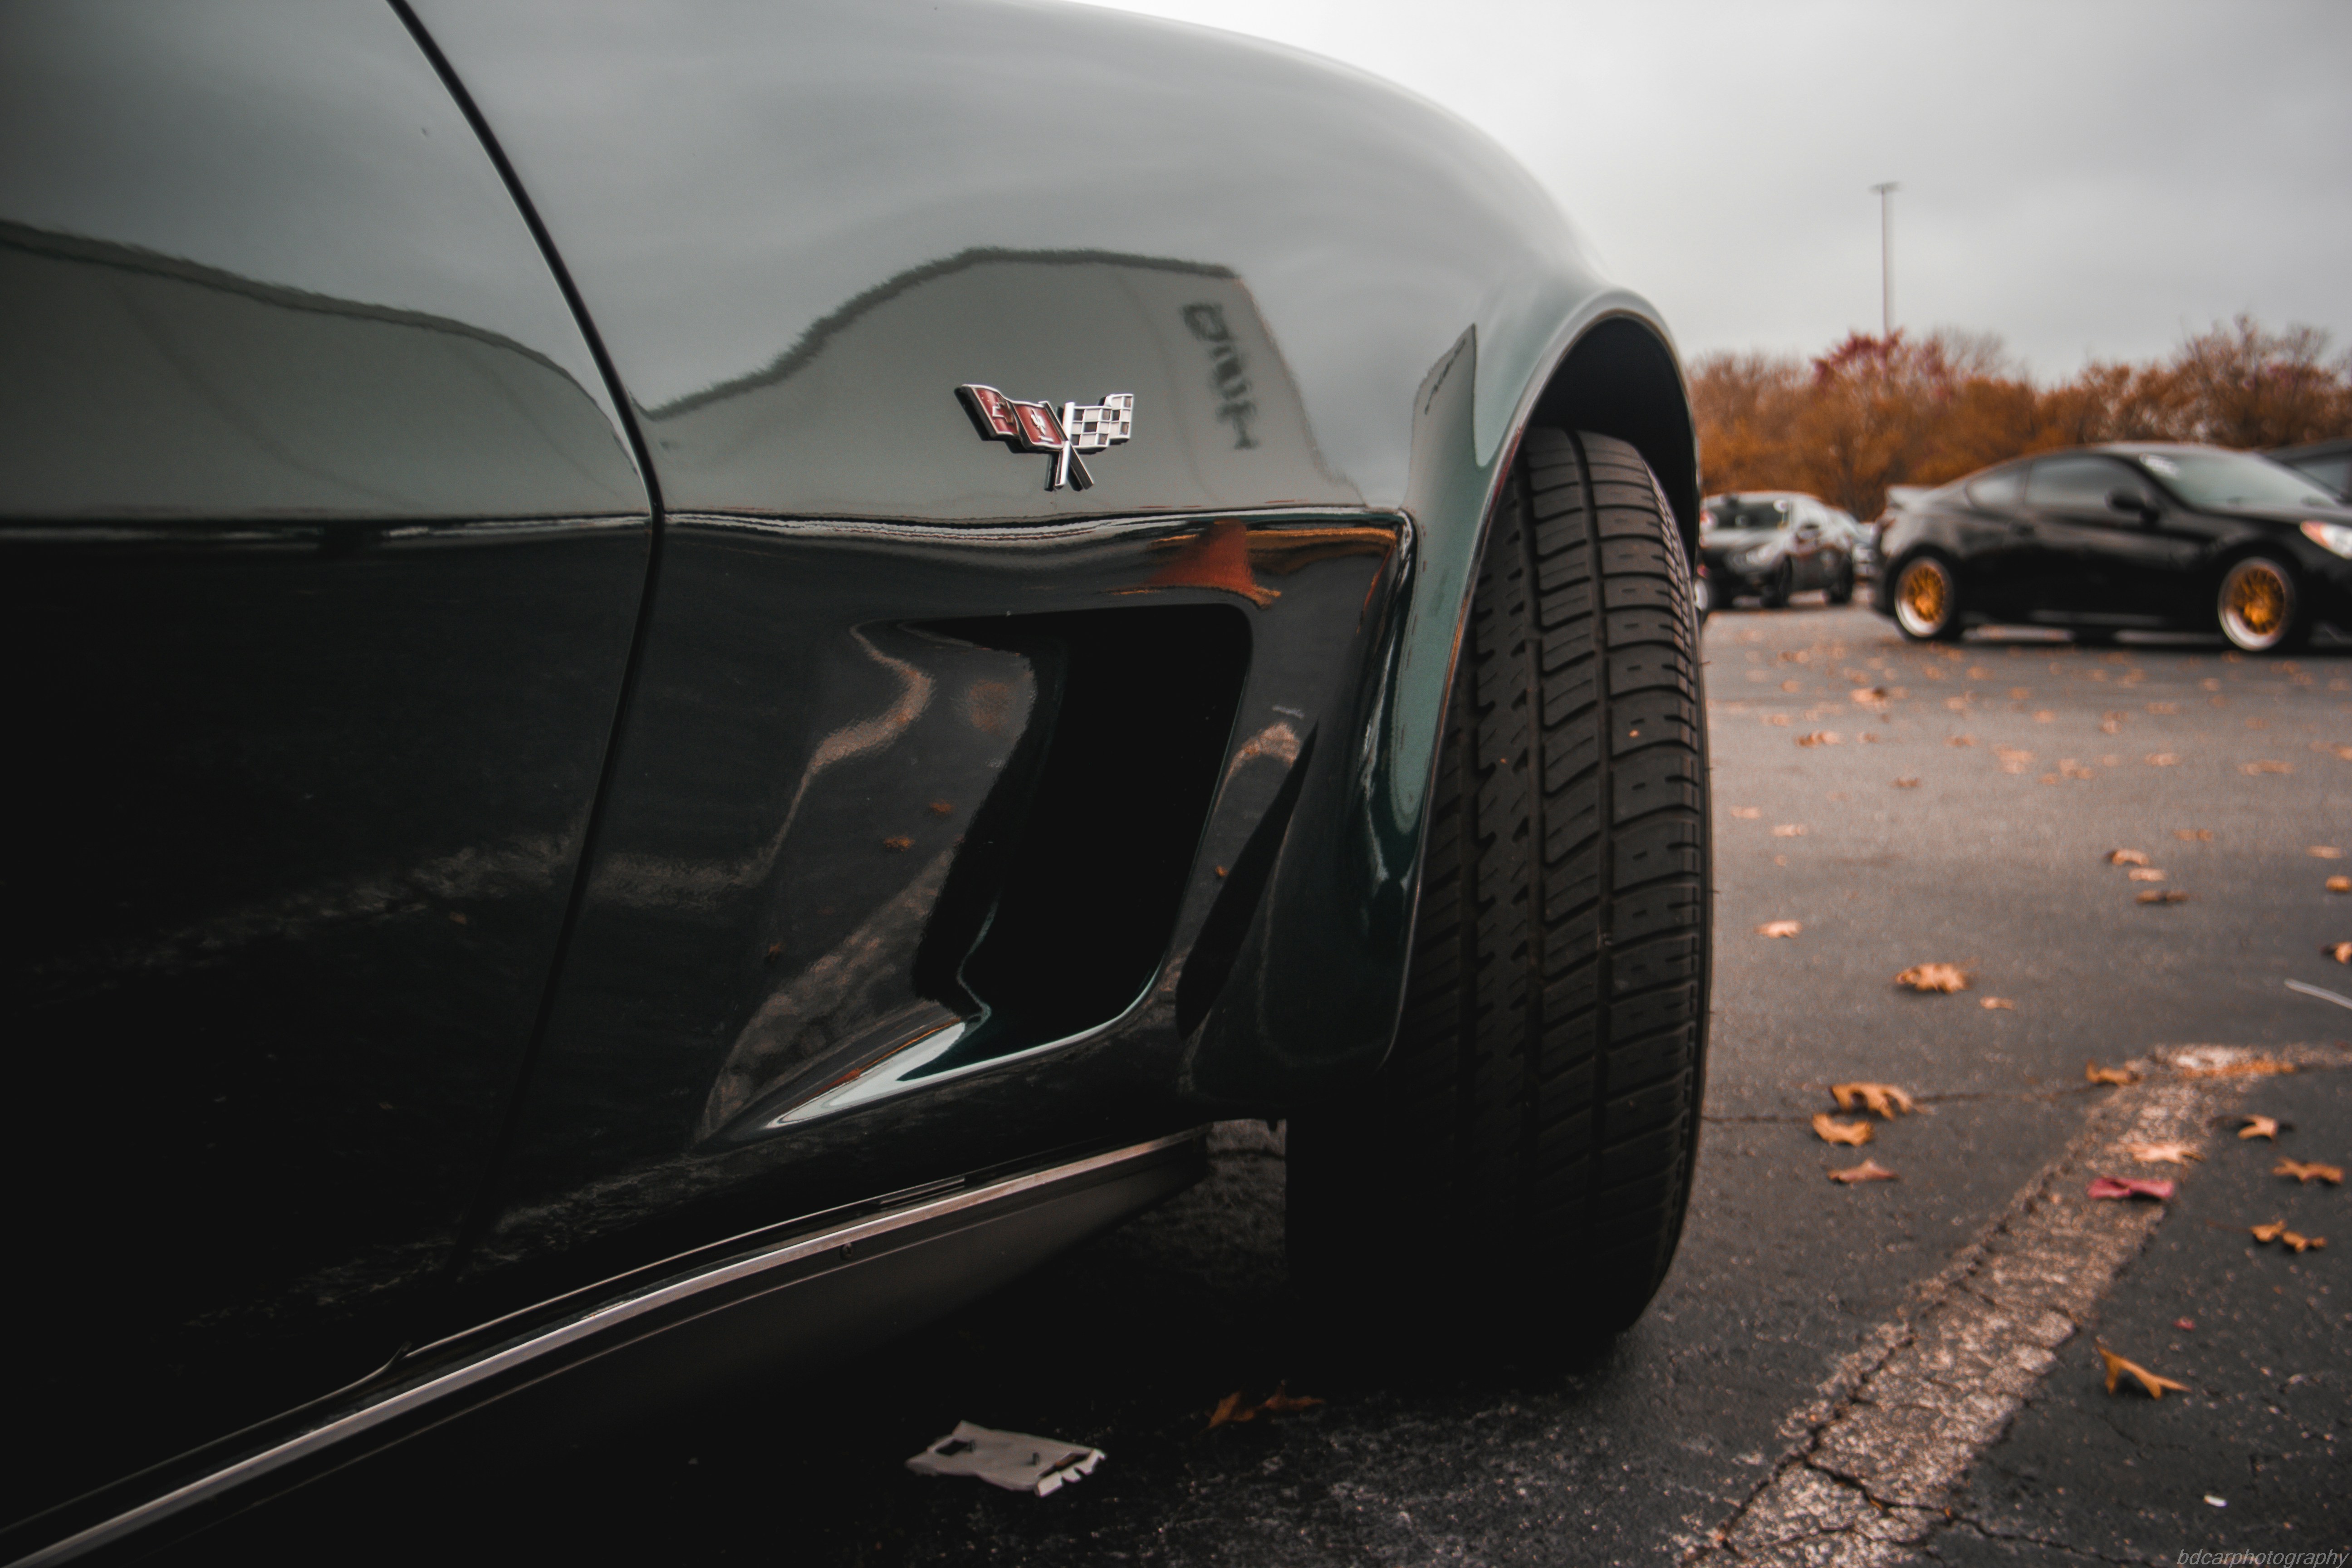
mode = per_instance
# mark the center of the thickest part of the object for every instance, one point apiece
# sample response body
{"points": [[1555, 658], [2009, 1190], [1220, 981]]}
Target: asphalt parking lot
{"points": [[1833, 1373]]}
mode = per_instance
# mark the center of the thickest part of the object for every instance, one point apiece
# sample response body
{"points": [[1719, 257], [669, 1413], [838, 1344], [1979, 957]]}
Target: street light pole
{"points": [[1887, 258]]}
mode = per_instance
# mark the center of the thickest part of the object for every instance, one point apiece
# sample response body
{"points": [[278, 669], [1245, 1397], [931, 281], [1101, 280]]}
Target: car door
{"points": [[321, 547], [2088, 550], [1809, 545]]}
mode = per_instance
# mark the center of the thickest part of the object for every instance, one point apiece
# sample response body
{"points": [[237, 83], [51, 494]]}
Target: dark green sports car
{"points": [[692, 677]]}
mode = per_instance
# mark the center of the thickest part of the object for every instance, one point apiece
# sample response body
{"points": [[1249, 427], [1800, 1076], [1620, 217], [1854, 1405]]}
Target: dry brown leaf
{"points": [[2130, 1187], [2261, 1067], [943, 808], [2144, 874], [2193, 835], [2301, 1171], [1781, 720], [1939, 978], [2164, 707], [1283, 1403], [2162, 1154], [1906, 783], [2118, 1369], [1790, 830], [1868, 1170], [2341, 951], [2270, 1232], [2161, 759], [1959, 739], [1881, 1099], [1868, 694], [2044, 716], [2003, 1003], [1280, 1402], [1230, 1408], [2267, 765], [1748, 813], [897, 841], [2277, 1231], [1818, 738], [1830, 1130], [2259, 1127], [2126, 857], [2339, 884], [2097, 1074], [2325, 852], [2163, 896], [1780, 928]]}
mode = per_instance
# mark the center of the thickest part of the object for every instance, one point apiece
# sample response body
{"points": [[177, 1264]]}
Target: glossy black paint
{"points": [[327, 555], [320, 555], [2020, 556]]}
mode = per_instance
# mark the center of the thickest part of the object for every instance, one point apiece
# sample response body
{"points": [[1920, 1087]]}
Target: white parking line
{"points": [[1877, 1458]]}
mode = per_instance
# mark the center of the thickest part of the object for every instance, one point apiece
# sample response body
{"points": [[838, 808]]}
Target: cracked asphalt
{"points": [[1796, 1303]]}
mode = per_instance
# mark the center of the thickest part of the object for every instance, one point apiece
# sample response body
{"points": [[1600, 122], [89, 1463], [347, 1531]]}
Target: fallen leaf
{"points": [[2277, 1231], [2339, 884], [1959, 739], [2145, 874], [1906, 783], [2265, 766], [2161, 759], [1780, 719], [1790, 830], [943, 808], [2164, 895], [1881, 1099], [2341, 951], [2003, 1003], [2193, 835], [1780, 928], [2127, 857], [2130, 1187], [2325, 852], [2259, 1127], [2332, 1174], [1868, 694], [2187, 1325], [2164, 707], [1818, 738], [2118, 1369], [2162, 1154], [1868, 1170], [1280, 1402], [2044, 716], [898, 841], [1830, 1130], [1748, 813], [1939, 978], [2097, 1074], [2261, 1067]]}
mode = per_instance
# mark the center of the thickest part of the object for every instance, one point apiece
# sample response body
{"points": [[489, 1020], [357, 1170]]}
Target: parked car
{"points": [[689, 681], [2107, 539], [1861, 543], [2328, 462], [1773, 543]]}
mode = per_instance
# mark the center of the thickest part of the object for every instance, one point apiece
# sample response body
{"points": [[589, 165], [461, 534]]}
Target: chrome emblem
{"points": [[1080, 427]]}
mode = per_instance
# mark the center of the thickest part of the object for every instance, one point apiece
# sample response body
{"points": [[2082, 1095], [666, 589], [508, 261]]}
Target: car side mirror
{"points": [[2132, 503]]}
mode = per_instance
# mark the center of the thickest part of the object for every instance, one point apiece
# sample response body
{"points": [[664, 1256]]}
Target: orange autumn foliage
{"points": [[1904, 410]]}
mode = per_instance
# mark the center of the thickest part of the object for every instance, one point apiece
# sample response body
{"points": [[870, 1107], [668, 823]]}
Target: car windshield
{"points": [[2233, 479], [1760, 512]]}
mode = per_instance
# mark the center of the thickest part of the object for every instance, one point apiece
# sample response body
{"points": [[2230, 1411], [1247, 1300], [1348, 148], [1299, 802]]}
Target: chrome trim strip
{"points": [[586, 1325]]}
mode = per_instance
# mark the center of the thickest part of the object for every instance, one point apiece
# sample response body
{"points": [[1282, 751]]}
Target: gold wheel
{"points": [[2257, 605], [1923, 598]]}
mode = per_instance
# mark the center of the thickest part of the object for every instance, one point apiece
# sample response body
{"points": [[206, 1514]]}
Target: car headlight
{"points": [[2331, 536]]}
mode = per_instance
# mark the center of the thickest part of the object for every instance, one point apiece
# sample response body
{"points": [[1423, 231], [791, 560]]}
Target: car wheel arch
{"points": [[1620, 377]]}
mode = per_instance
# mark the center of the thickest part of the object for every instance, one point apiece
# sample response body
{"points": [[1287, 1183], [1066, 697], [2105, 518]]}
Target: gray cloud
{"points": [[2081, 178]]}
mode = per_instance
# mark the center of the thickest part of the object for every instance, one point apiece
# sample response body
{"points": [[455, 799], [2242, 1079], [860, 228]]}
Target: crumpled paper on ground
{"points": [[1014, 1461]]}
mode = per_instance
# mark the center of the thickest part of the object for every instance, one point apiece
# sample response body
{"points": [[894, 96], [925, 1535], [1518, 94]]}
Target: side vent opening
{"points": [[1219, 945], [1063, 896]]}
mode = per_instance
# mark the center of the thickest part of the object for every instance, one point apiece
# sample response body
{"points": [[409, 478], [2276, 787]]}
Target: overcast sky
{"points": [[2080, 178]]}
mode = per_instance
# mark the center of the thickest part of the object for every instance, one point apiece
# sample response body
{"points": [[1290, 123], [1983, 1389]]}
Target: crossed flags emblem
{"points": [[1077, 428]]}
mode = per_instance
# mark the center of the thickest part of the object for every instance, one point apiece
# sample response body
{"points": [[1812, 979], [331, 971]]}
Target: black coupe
{"points": [[2109, 539], [689, 678]]}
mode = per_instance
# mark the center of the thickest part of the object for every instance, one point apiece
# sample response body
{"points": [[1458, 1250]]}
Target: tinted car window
{"points": [[2225, 479], [2078, 484], [1759, 514], [2335, 473], [2002, 489]]}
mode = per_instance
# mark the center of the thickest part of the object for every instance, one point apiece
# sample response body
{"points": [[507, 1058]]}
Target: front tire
{"points": [[1841, 590], [1927, 600], [2258, 608], [1524, 1158]]}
